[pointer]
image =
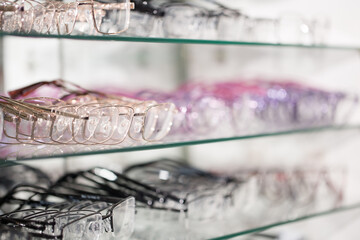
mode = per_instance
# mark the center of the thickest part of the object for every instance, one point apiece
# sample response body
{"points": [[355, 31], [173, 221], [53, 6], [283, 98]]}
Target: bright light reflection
{"points": [[105, 174], [163, 175]]}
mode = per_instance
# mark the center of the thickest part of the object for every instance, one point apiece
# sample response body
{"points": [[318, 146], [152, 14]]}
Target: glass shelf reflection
{"points": [[353, 207], [28, 151], [227, 228]]}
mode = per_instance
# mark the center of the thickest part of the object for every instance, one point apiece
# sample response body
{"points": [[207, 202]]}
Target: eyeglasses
{"points": [[198, 197], [287, 193], [174, 172], [62, 18], [184, 19], [196, 19], [211, 20], [80, 116], [106, 182], [244, 107], [95, 123], [105, 216], [193, 192], [22, 120], [78, 225], [105, 120], [208, 196], [84, 204]]}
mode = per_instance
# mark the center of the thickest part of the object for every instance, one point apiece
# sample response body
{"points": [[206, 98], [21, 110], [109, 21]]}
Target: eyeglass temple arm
{"points": [[15, 189], [138, 194], [30, 107], [115, 192], [108, 188], [88, 195], [23, 92], [24, 113], [60, 83], [21, 222], [46, 192], [8, 108], [179, 167], [17, 223], [82, 189], [145, 186]]}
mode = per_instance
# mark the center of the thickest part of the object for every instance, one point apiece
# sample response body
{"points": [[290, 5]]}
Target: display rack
{"points": [[9, 153]]}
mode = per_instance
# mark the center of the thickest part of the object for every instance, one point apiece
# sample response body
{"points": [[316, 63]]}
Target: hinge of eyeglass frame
{"points": [[9, 110], [36, 109]]}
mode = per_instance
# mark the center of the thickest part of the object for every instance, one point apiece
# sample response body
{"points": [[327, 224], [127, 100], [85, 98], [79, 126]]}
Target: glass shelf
{"points": [[340, 225], [41, 151], [353, 207], [227, 228], [176, 40]]}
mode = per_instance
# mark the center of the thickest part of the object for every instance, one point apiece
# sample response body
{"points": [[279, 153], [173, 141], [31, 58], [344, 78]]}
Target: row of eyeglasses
{"points": [[241, 107], [82, 117], [203, 19], [57, 17], [198, 19], [74, 115], [100, 203]]}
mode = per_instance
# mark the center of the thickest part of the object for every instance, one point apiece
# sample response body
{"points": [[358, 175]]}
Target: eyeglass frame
{"points": [[121, 6]]}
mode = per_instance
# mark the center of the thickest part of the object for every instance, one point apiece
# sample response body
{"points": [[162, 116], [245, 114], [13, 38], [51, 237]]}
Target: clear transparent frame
{"points": [[28, 112], [14, 8], [121, 225], [64, 8], [31, 112]]}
